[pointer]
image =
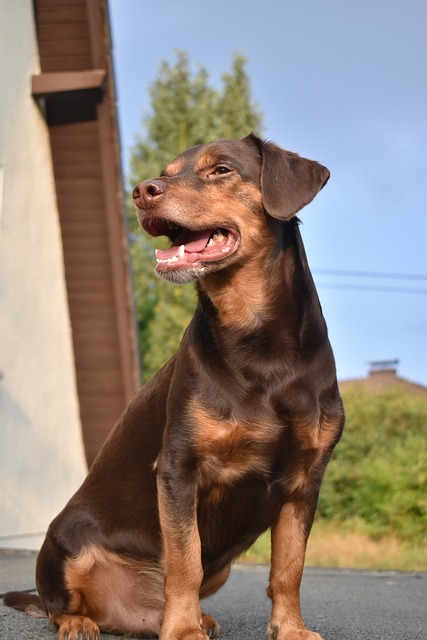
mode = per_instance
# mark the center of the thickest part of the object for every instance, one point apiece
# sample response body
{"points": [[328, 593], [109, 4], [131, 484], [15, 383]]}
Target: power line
{"points": [[356, 287], [370, 274]]}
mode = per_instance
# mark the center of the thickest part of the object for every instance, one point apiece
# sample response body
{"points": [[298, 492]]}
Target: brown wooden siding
{"points": [[73, 36]]}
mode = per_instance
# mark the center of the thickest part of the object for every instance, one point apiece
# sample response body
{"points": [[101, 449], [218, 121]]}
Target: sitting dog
{"points": [[231, 437]]}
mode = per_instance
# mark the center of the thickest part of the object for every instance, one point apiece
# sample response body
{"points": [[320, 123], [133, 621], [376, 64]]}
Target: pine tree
{"points": [[238, 115], [185, 111]]}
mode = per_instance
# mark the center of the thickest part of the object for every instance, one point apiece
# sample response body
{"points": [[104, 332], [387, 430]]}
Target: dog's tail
{"points": [[29, 603]]}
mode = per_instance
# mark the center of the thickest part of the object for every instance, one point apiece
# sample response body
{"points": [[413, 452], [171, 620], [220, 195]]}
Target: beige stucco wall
{"points": [[41, 450]]}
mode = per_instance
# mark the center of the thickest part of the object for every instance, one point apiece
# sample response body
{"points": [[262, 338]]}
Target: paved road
{"points": [[339, 604]]}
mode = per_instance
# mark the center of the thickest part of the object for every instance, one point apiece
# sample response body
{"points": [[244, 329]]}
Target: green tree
{"points": [[185, 111], [238, 114]]}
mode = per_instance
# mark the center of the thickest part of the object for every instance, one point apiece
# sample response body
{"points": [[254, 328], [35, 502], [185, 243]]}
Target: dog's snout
{"points": [[146, 193]]}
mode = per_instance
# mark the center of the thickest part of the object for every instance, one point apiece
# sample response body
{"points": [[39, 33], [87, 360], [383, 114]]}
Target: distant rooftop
{"points": [[382, 374]]}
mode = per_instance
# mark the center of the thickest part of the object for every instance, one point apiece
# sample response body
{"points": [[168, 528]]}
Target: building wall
{"points": [[41, 451]]}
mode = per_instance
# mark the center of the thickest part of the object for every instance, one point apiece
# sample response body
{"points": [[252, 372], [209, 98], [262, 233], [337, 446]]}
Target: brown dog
{"points": [[231, 437]]}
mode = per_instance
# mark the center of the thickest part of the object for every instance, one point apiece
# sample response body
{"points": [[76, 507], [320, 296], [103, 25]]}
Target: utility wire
{"points": [[370, 274], [356, 287]]}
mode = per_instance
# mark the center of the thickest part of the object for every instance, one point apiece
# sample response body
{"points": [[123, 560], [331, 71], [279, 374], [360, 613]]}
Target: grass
{"points": [[332, 545]]}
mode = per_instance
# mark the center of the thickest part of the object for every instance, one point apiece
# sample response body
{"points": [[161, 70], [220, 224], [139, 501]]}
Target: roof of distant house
{"points": [[382, 375]]}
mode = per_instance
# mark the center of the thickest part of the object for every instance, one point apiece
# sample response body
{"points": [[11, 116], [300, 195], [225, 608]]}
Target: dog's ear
{"points": [[288, 181]]}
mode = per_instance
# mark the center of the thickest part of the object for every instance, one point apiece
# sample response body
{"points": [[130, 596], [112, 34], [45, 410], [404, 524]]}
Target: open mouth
{"points": [[191, 248]]}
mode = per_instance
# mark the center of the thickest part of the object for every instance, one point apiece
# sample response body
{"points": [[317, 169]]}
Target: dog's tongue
{"points": [[193, 241]]}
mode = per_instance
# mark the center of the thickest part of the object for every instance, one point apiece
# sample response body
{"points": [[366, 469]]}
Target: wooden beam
{"points": [[100, 39], [46, 84]]}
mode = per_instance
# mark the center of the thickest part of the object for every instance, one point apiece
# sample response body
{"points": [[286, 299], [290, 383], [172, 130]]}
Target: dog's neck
{"points": [[274, 288], [239, 297], [258, 324]]}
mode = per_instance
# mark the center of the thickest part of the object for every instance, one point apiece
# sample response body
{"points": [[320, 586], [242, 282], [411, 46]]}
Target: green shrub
{"points": [[378, 473]]}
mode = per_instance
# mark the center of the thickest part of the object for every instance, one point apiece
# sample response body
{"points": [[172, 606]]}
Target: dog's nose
{"points": [[146, 193]]}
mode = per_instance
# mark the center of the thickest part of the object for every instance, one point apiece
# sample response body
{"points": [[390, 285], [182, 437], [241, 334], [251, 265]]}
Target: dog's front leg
{"points": [[288, 544], [177, 498]]}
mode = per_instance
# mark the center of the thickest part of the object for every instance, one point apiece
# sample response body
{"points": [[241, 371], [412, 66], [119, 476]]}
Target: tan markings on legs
{"points": [[290, 533], [289, 540], [182, 617]]}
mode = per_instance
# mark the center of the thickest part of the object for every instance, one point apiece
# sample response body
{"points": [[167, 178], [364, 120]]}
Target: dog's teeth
{"points": [[217, 236], [168, 260], [181, 252]]}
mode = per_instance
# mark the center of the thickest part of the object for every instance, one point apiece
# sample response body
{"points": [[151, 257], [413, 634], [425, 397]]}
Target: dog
{"points": [[231, 437]]}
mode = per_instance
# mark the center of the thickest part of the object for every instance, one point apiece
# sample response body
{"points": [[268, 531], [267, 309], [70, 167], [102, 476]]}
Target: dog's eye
{"points": [[219, 170]]}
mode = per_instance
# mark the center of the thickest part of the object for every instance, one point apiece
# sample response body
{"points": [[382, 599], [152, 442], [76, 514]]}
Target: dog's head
{"points": [[213, 203]]}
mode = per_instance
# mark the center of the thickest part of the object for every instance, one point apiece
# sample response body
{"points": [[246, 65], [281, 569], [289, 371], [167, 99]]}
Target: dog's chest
{"points": [[227, 450]]}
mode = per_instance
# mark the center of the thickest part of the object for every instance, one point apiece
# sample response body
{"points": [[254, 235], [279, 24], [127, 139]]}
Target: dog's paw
{"points": [[77, 628], [186, 634], [210, 626], [278, 632]]}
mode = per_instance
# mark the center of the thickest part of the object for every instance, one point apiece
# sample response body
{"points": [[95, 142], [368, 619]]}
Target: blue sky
{"points": [[342, 82]]}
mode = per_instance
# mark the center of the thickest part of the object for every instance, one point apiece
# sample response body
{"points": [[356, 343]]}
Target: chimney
{"points": [[383, 368]]}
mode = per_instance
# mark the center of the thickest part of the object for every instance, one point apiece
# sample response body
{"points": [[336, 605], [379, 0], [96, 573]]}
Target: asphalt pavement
{"points": [[337, 603]]}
